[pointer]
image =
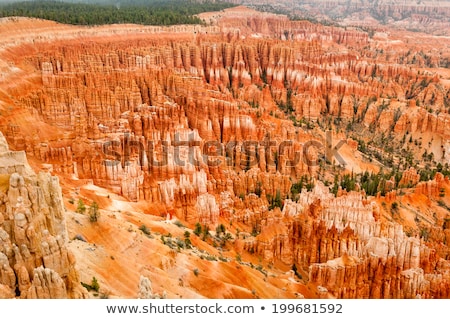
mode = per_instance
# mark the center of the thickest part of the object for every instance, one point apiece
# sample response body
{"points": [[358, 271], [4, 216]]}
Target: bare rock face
{"points": [[47, 284], [427, 16], [409, 177], [432, 188], [35, 262], [145, 288], [208, 210]]}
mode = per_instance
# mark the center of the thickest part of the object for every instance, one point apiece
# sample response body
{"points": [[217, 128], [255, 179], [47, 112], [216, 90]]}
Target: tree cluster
{"points": [[151, 12]]}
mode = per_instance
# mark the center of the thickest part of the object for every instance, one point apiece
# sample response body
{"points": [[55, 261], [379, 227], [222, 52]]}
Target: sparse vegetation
{"points": [[304, 182], [179, 224], [220, 229], [424, 233], [94, 213], [394, 207], [295, 269], [187, 239], [205, 232], [81, 208], [275, 201], [93, 286], [143, 228], [198, 229], [176, 243], [442, 204], [260, 268]]}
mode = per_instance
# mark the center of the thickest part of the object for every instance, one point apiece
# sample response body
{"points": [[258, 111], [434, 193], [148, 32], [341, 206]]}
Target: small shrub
{"points": [[80, 237], [205, 232], [196, 272], [224, 239], [424, 233], [220, 229], [179, 224], [180, 243], [223, 259], [442, 204], [261, 270], [81, 208], [255, 231], [94, 286], [295, 269], [187, 239], [94, 213], [211, 258], [198, 229], [394, 207], [143, 228], [173, 243]]}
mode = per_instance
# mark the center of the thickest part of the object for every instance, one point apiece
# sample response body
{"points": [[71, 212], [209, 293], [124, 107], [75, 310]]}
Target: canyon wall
{"points": [[35, 261], [424, 16]]}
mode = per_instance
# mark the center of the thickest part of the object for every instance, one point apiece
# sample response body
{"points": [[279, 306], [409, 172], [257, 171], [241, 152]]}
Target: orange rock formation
{"points": [[212, 125]]}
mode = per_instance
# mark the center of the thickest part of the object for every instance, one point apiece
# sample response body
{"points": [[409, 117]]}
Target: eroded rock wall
{"points": [[35, 261]]}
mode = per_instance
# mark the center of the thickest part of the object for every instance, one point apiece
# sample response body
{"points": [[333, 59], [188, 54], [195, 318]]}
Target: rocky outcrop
{"points": [[349, 252], [410, 177], [145, 290], [427, 16], [47, 284], [35, 261], [432, 188]]}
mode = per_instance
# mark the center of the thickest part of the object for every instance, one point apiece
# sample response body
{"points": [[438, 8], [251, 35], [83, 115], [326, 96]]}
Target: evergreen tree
{"points": [[81, 208], [94, 213]]}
